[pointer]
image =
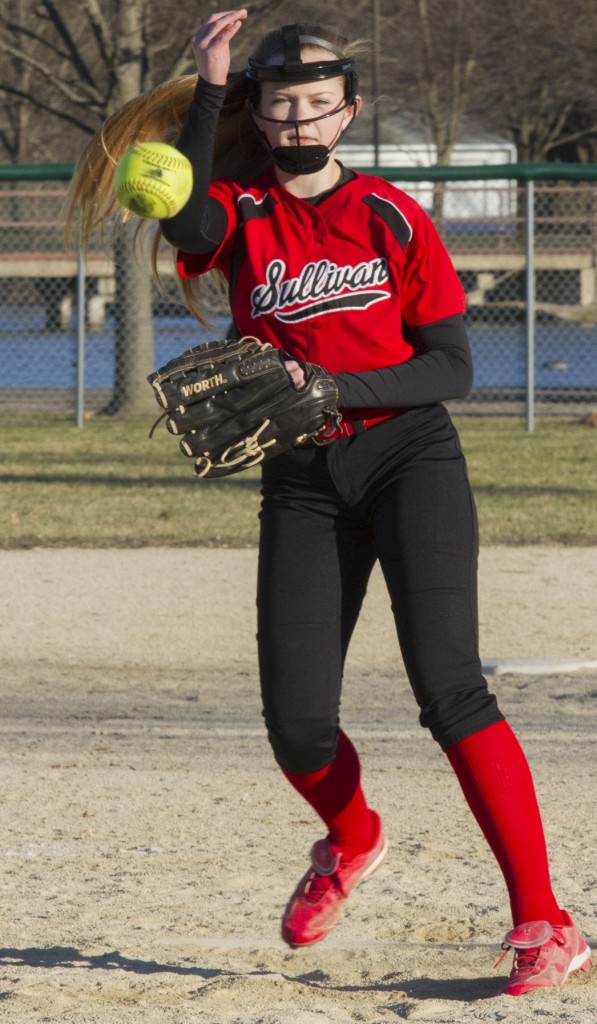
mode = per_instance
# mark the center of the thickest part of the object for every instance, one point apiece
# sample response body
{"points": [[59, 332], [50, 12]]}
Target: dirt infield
{"points": [[149, 844]]}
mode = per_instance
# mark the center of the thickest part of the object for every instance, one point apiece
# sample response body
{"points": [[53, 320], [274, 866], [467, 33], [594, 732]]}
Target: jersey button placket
{"points": [[317, 252], [318, 234]]}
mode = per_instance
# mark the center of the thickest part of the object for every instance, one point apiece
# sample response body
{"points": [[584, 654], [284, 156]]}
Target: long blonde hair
{"points": [[158, 115]]}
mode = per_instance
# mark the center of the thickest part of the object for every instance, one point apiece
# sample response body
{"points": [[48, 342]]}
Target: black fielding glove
{"points": [[236, 405]]}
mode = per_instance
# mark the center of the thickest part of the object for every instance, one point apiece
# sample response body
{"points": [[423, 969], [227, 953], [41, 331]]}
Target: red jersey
{"points": [[333, 283]]}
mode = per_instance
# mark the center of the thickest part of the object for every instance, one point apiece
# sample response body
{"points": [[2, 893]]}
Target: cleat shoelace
{"points": [[319, 886], [525, 960]]}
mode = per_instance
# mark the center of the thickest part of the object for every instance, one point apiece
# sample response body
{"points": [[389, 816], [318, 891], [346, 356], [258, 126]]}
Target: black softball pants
{"points": [[399, 493]]}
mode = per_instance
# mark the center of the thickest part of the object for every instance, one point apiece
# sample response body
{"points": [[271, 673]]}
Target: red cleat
{"points": [[544, 955], [317, 902]]}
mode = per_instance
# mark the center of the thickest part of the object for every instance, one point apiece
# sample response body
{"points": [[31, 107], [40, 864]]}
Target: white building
{"points": [[463, 200]]}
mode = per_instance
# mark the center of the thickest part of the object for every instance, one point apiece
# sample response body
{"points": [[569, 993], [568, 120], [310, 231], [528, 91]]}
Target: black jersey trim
{"points": [[252, 208], [392, 217], [360, 300]]}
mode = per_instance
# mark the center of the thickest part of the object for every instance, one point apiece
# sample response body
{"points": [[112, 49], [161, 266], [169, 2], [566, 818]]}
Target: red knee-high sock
{"points": [[497, 783], [335, 793]]}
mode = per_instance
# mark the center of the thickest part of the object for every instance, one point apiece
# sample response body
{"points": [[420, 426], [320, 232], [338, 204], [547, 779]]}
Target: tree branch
{"points": [[183, 64], [63, 115], [101, 30], [75, 56], [29, 34], [82, 98]]}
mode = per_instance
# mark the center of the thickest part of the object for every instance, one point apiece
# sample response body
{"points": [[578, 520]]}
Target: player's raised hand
{"points": [[211, 44]]}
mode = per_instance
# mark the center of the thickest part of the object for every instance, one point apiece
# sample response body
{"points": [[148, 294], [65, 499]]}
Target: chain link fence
{"points": [[81, 335]]}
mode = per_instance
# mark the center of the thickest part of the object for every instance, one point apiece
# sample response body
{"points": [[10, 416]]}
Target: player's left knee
{"points": [[460, 714], [303, 745]]}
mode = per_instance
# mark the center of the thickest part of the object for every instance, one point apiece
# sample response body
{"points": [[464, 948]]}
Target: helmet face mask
{"points": [[285, 66]]}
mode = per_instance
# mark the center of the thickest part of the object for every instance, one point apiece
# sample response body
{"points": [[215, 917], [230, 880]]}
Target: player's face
{"points": [[320, 106]]}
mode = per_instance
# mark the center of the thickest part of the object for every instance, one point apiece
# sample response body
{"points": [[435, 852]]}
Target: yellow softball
{"points": [[153, 180]]}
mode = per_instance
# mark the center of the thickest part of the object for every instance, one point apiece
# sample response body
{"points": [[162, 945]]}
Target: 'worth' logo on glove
{"points": [[200, 386]]}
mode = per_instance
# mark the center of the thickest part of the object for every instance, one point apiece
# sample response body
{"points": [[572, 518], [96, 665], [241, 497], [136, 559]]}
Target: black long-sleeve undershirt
{"points": [[201, 224], [441, 367]]}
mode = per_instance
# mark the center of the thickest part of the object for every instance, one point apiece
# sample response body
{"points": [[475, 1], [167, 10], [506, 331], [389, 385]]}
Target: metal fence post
{"points": [[80, 339], [530, 303]]}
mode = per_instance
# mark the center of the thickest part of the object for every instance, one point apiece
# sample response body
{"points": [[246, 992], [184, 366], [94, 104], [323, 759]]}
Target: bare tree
{"points": [[434, 76], [521, 69], [443, 69], [541, 71], [79, 64], [20, 53], [16, 112]]}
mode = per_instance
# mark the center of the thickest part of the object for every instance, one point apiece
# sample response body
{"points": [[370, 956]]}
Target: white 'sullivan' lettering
{"points": [[317, 281]]}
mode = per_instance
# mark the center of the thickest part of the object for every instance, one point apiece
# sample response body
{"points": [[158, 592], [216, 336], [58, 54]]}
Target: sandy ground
{"points": [[148, 842]]}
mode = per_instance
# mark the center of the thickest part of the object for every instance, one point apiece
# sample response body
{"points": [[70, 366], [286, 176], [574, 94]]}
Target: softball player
{"points": [[347, 271]]}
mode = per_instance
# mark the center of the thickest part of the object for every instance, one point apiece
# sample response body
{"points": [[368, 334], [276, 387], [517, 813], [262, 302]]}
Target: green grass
{"points": [[108, 484], [533, 488]]}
